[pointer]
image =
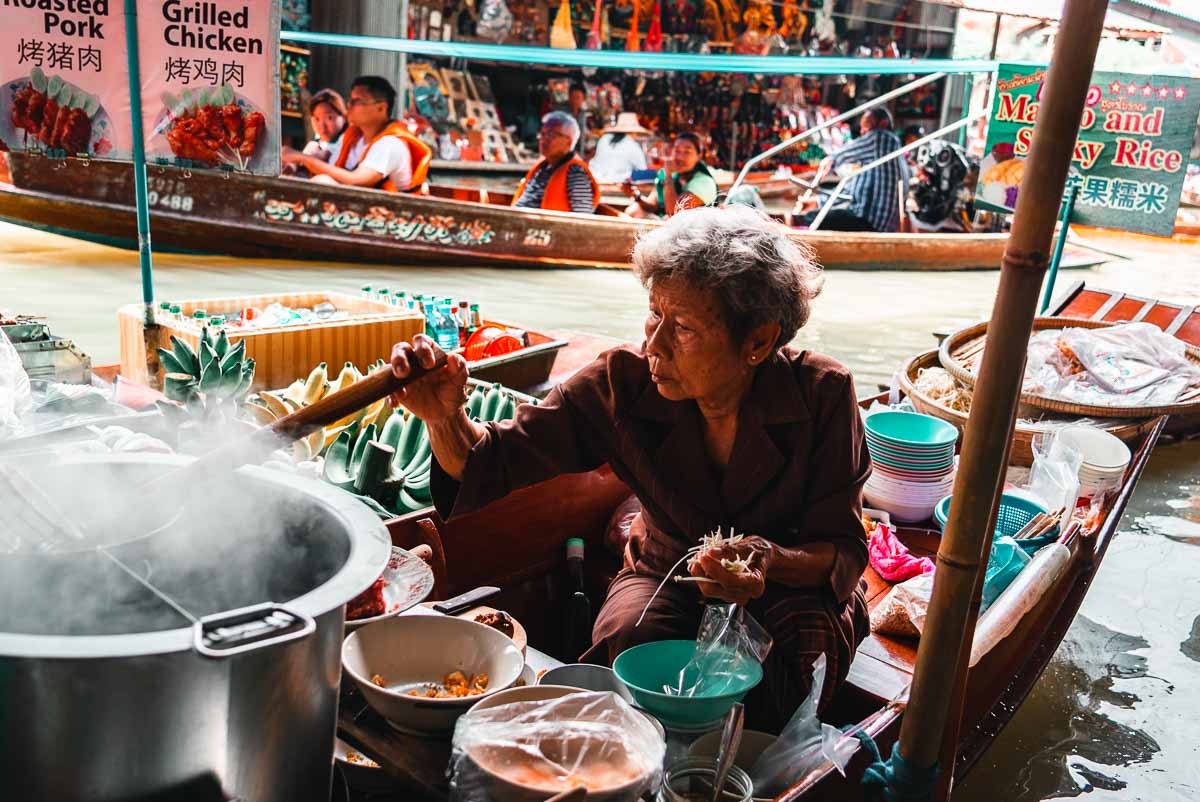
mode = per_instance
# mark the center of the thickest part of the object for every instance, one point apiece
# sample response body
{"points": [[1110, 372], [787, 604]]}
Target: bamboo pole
{"points": [[961, 555]]}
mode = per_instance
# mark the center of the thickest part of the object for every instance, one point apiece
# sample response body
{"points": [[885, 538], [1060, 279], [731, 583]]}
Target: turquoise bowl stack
{"points": [[914, 461]]}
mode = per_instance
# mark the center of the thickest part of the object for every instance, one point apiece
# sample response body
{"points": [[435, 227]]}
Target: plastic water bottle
{"points": [[447, 329]]}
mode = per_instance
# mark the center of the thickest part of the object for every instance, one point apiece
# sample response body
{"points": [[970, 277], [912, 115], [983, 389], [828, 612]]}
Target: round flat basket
{"points": [[1022, 446], [962, 351]]}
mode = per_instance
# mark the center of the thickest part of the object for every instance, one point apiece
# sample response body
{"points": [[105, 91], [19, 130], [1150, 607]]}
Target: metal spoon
{"points": [[731, 739]]}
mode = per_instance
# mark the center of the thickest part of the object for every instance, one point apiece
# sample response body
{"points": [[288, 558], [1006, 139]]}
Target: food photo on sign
{"points": [[1130, 159], [65, 89], [210, 84]]}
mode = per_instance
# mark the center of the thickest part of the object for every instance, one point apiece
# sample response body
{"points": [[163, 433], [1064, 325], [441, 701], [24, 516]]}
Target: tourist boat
{"points": [[258, 217], [532, 525]]}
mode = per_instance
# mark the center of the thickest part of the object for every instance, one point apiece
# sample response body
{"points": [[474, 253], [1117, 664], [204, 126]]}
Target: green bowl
{"points": [[647, 668], [911, 428]]}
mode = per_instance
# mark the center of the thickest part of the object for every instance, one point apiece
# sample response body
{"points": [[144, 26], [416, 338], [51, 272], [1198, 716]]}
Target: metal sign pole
{"points": [[139, 159], [403, 61], [1056, 257]]}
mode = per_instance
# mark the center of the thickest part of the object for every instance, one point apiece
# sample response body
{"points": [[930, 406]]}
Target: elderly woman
{"points": [[713, 422]]}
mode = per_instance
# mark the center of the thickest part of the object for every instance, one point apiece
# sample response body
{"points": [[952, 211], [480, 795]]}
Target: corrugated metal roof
{"points": [[1184, 9]]}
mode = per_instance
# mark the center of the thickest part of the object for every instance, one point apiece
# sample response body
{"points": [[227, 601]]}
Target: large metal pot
{"points": [[108, 693]]}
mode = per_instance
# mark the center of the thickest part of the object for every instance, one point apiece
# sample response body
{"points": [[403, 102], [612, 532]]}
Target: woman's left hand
{"points": [[291, 156], [737, 587]]}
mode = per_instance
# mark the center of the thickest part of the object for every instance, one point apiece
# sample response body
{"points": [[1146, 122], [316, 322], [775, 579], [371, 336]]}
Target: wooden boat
{"points": [[533, 524], [258, 217]]}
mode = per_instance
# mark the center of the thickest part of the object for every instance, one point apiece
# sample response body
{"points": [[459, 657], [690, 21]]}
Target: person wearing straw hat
{"points": [[618, 153]]}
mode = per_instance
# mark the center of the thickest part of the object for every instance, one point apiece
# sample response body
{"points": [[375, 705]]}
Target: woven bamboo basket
{"points": [[1023, 436], [961, 352]]}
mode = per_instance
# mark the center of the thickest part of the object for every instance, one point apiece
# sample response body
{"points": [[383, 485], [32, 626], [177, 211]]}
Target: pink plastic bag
{"points": [[890, 558]]}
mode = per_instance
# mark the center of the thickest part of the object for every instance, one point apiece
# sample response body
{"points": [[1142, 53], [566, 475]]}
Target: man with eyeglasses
{"points": [[560, 180], [377, 151]]}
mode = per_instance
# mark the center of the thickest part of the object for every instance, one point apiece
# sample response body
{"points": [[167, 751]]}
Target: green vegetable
{"points": [[207, 357], [186, 356], [37, 79], [474, 403], [170, 362], [491, 404], [410, 438], [421, 454], [232, 355], [508, 408], [221, 346]]}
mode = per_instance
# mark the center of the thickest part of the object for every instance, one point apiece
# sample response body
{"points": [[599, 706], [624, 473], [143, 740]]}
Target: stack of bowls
{"points": [[914, 463], [1105, 458]]}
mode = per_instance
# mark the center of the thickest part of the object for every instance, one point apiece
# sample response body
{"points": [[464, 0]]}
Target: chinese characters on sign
{"points": [[210, 83], [66, 85], [1131, 156]]}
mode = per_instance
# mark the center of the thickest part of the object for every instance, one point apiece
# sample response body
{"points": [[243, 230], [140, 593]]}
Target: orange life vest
{"points": [[419, 153], [556, 197]]}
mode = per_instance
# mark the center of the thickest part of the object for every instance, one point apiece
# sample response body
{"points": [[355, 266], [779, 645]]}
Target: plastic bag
{"points": [[803, 745], [533, 750], [728, 643], [1132, 364], [1005, 561], [891, 559], [14, 388], [1054, 477], [902, 612]]}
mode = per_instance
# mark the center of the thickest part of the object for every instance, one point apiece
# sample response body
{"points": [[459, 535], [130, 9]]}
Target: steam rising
{"points": [[226, 542]]}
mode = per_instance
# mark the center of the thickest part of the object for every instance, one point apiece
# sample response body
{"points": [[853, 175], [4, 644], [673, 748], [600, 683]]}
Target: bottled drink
{"points": [[447, 329], [464, 321], [176, 313], [428, 313], [384, 296], [476, 318], [366, 291], [164, 311], [199, 319], [400, 299]]}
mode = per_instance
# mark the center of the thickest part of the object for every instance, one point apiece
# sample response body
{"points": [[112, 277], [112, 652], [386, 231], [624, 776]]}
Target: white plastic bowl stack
{"points": [[1105, 458], [914, 461]]}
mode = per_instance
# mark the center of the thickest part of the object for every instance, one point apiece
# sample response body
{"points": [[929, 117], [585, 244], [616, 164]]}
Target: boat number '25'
{"points": [[538, 237]]}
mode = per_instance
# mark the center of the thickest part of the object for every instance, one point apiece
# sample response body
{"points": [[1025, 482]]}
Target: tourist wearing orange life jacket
{"points": [[376, 150], [560, 180]]}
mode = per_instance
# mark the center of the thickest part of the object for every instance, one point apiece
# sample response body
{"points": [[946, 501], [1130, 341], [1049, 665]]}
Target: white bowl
{"points": [[1099, 448], [413, 649]]}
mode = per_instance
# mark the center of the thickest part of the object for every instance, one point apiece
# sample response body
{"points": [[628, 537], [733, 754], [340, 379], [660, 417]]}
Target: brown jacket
{"points": [[795, 476]]}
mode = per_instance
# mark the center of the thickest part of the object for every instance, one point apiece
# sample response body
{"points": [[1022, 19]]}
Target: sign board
{"points": [[1130, 158], [209, 81], [66, 79]]}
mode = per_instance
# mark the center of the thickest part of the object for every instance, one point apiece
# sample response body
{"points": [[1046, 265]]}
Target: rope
{"points": [[895, 779]]}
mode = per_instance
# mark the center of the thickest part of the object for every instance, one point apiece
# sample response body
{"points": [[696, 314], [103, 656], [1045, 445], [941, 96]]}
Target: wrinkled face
{"points": [[685, 154], [364, 110], [554, 142], [327, 122], [691, 352]]}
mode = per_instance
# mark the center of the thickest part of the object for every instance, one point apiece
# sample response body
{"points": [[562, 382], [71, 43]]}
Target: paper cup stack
{"points": [[1105, 458], [914, 463]]}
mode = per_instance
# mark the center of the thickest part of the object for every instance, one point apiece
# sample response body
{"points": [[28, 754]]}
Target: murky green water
{"points": [[1114, 715]]}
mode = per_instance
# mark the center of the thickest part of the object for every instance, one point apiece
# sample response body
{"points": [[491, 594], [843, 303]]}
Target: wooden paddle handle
{"points": [[336, 406]]}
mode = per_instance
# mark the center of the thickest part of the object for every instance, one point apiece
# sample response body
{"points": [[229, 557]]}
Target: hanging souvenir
{"points": [[631, 43], [562, 34], [654, 36], [594, 41], [495, 20], [823, 28]]}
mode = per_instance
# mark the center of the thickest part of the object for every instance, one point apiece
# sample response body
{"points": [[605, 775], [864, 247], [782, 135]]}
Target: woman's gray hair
{"points": [[564, 121], [757, 272]]}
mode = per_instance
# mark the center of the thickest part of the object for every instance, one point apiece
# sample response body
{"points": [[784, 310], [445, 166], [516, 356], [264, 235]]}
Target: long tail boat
{"points": [[257, 217], [516, 544]]}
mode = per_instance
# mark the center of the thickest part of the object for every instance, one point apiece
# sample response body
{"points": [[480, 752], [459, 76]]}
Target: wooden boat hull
{"points": [[256, 217]]}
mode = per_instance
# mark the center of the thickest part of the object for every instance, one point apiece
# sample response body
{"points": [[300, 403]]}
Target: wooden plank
{"points": [[898, 652], [1180, 319], [1104, 308], [1163, 314], [877, 678], [1145, 310]]}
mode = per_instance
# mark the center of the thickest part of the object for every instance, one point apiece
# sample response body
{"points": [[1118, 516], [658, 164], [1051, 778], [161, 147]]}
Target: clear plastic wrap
{"points": [[1054, 477], [529, 751], [1133, 364], [14, 388], [902, 612], [728, 643], [804, 745]]}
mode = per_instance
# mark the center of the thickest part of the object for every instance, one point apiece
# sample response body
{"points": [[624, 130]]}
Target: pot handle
{"points": [[257, 627]]}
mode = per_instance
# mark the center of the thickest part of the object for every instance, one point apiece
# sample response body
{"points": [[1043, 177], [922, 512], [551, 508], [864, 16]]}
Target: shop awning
{"points": [[624, 60], [1116, 23]]}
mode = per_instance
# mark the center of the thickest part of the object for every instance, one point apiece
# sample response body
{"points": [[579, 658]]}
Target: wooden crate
{"points": [[282, 354]]}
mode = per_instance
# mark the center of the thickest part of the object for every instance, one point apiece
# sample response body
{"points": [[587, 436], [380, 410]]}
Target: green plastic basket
{"points": [[1015, 512]]}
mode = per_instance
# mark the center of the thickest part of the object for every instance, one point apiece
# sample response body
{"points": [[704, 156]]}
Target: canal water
{"points": [[1113, 718]]}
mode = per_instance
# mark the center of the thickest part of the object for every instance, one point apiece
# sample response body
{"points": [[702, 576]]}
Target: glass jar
{"points": [[691, 780]]}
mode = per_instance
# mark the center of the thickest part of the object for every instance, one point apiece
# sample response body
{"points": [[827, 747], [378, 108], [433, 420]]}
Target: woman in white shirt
{"points": [[618, 153], [327, 112]]}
